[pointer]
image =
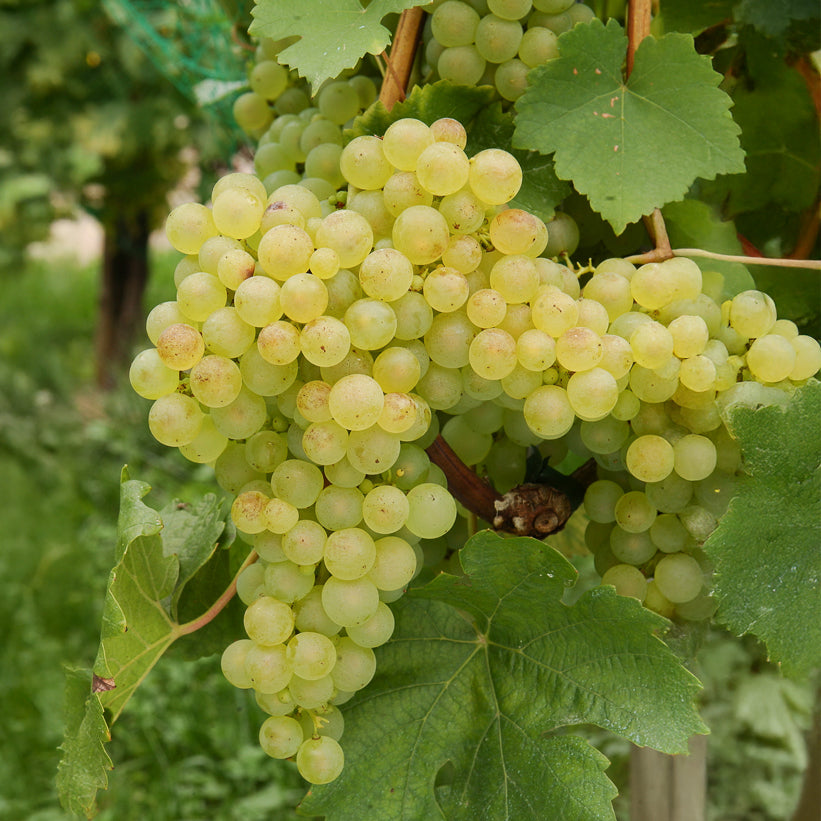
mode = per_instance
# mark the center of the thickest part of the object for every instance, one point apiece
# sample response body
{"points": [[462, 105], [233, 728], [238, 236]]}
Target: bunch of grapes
{"points": [[313, 353], [496, 42]]}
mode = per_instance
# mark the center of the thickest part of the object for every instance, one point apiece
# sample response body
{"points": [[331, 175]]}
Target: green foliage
{"points": [[766, 583], [773, 17], [333, 35], [629, 146], [498, 665]]}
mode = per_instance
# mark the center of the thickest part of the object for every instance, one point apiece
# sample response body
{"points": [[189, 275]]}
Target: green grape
{"points": [[461, 65], [634, 512], [215, 381], [448, 130], [287, 581], [486, 308], [432, 511], [604, 435], [280, 736], [150, 377], [347, 233], [320, 760], [233, 663], [355, 665], [695, 457], [199, 295], [363, 163], [349, 553], [311, 655], [180, 346], [312, 694], [312, 401], [453, 23], [510, 9], [463, 211], [269, 547], [322, 163], [188, 226], [469, 445], [628, 580], [268, 79], [385, 509], [237, 212], [262, 377], [297, 482], [495, 175], [611, 290], [303, 297], [650, 458], [654, 600], [771, 358], [700, 523], [161, 317], [690, 335], [231, 469], [241, 418], [278, 343], [553, 311], [548, 412], [402, 190], [752, 314], [405, 139], [655, 386], [268, 621], [376, 630], [492, 353], [349, 601], [652, 345], [285, 250], [421, 233], [226, 333], [304, 543], [510, 78], [207, 445], [535, 350], [515, 277], [538, 45], [679, 577], [338, 507], [248, 511], [579, 349], [592, 394], [276, 704], [670, 495], [698, 373], [396, 370], [631, 548], [356, 401], [517, 429], [442, 168], [310, 615], [668, 533], [807, 357], [600, 501], [497, 39], [175, 419], [268, 668], [464, 253], [280, 516], [373, 450], [386, 274], [593, 316], [449, 338], [256, 301], [371, 205], [339, 102], [251, 112]]}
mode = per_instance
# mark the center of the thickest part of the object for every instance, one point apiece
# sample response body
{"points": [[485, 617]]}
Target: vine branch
{"points": [[219, 605], [400, 62], [780, 262]]}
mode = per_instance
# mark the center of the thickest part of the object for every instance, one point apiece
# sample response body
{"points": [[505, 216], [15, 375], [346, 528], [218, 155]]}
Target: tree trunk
{"points": [[124, 277], [809, 805], [669, 787]]}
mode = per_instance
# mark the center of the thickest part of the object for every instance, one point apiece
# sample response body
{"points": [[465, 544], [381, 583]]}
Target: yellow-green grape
{"points": [[448, 130], [807, 357], [385, 274], [215, 381], [268, 621], [175, 419], [695, 457], [363, 163], [150, 377], [461, 65], [233, 663], [771, 358], [421, 233], [431, 512], [349, 553], [497, 39], [634, 512], [553, 311], [356, 401], [752, 314], [349, 601], [679, 577], [442, 168], [495, 175], [376, 630], [349, 234], [285, 250], [492, 353], [650, 458], [268, 668], [320, 760], [280, 736], [188, 226], [628, 581], [548, 412], [199, 295], [207, 445], [593, 393]]}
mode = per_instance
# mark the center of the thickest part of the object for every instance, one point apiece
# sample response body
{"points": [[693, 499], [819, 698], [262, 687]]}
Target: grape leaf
{"points": [[767, 547], [481, 675], [694, 224], [85, 762], [629, 146], [780, 136], [157, 554], [693, 17], [333, 34], [773, 17]]}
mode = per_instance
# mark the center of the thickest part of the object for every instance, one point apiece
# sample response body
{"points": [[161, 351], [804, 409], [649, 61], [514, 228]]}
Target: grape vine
{"points": [[385, 351]]}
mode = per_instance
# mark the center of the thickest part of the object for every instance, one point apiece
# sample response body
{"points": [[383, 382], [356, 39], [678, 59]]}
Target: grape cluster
{"points": [[495, 42], [313, 353]]}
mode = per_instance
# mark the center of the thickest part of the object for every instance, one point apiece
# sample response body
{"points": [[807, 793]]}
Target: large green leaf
{"points": [[333, 34], [629, 146], [464, 717], [767, 547], [85, 763], [157, 555], [773, 17]]}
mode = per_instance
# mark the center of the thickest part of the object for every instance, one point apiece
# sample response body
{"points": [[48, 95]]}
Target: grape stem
{"points": [[400, 61], [527, 510], [219, 605], [788, 262]]}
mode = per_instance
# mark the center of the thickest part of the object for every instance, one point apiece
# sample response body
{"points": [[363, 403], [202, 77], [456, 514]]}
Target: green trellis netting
{"points": [[191, 42]]}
